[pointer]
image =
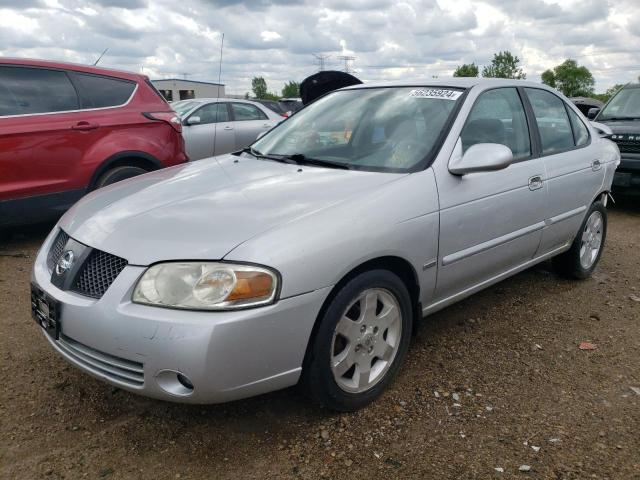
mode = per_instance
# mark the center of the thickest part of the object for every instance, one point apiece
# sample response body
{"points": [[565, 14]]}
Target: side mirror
{"points": [[592, 113], [482, 157], [193, 121], [602, 129]]}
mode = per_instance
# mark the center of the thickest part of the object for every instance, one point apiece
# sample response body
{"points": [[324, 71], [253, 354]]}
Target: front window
{"points": [[624, 106], [379, 129], [184, 106]]}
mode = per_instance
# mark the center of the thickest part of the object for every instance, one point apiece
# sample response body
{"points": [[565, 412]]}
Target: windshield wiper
{"points": [[302, 159], [255, 153]]}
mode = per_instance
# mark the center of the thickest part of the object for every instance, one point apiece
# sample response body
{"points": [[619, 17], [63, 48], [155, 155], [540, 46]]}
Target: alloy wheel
{"points": [[366, 340]]}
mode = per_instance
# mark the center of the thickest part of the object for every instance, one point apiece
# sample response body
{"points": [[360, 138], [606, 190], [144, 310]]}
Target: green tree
{"points": [[570, 78], [611, 91], [466, 70], [291, 90], [259, 87], [504, 65]]}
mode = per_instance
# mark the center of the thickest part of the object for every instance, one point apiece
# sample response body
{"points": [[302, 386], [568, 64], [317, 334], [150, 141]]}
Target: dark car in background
{"points": [[68, 129], [622, 115], [585, 104]]}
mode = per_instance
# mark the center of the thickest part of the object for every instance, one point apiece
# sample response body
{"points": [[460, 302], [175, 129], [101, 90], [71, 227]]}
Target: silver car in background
{"points": [[215, 126], [311, 255]]}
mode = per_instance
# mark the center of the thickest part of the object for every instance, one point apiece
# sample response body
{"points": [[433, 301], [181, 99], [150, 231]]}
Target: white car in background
{"points": [[215, 126]]}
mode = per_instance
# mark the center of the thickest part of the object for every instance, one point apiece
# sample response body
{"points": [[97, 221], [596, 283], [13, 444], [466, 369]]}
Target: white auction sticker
{"points": [[436, 93]]}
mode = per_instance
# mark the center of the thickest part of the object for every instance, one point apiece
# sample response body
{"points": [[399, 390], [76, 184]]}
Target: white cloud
{"points": [[268, 36]]}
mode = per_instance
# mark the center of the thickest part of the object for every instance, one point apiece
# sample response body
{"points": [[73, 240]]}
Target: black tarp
{"points": [[320, 83]]}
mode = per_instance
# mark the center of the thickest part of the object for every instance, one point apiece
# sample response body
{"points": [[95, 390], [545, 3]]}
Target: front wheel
{"points": [[361, 341], [585, 252]]}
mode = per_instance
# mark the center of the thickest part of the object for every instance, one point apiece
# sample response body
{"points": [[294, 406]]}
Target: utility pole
{"points": [[321, 59], [185, 76], [347, 59]]}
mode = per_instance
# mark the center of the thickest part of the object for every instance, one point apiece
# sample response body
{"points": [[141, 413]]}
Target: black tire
{"points": [[568, 263], [119, 173], [317, 376]]}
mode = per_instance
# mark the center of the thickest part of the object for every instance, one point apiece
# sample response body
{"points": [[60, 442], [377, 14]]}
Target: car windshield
{"points": [[625, 105], [379, 129], [184, 106]]}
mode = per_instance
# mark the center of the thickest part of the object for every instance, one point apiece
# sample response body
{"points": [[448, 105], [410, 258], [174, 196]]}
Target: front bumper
{"points": [[225, 355]]}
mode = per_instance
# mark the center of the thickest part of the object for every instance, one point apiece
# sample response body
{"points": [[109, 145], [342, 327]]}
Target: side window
{"points": [[552, 119], [580, 131], [244, 111], [35, 90], [498, 117], [212, 113], [98, 92]]}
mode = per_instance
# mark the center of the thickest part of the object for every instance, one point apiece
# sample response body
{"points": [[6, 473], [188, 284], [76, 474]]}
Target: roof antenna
{"points": [[101, 55], [218, 104]]}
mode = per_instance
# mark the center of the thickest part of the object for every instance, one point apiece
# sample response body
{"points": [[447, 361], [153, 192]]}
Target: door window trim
{"points": [[532, 140], [564, 150], [66, 72]]}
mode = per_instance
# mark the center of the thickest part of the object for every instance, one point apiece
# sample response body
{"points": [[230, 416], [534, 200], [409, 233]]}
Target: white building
{"points": [[175, 89]]}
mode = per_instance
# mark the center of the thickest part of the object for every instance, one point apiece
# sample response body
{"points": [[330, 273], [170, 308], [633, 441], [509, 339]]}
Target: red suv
{"points": [[68, 129]]}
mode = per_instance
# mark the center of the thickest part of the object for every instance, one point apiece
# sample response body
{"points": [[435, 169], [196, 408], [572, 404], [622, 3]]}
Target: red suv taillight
{"points": [[169, 117]]}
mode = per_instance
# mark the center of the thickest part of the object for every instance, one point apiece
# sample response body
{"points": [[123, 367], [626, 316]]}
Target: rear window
{"points": [[25, 90], [99, 92]]}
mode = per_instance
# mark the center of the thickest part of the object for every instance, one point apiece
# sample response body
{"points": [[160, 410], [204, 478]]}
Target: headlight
{"points": [[206, 286]]}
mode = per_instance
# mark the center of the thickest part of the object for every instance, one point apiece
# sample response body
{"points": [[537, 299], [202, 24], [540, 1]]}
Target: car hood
{"points": [[203, 210], [623, 126]]}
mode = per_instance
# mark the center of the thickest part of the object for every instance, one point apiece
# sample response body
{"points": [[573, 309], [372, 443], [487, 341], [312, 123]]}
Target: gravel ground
{"points": [[493, 385]]}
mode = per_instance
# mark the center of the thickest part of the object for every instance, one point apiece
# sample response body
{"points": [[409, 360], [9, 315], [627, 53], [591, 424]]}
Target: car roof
{"points": [[459, 82], [29, 62]]}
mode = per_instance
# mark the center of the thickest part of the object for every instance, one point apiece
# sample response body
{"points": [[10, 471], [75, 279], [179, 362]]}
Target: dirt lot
{"points": [[495, 382]]}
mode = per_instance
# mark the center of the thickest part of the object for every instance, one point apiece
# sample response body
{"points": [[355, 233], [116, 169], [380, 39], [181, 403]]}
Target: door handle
{"points": [[84, 126], [267, 125], [596, 165], [228, 128], [535, 182]]}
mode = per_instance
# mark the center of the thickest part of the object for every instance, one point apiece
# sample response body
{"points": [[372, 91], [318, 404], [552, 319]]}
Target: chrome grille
{"points": [[115, 368], [56, 249], [627, 146], [98, 273]]}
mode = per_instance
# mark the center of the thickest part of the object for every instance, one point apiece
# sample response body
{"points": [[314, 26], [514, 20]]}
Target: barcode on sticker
{"points": [[435, 93]]}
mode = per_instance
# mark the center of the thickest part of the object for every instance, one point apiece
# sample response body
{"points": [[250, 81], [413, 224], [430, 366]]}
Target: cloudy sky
{"points": [[277, 38]]}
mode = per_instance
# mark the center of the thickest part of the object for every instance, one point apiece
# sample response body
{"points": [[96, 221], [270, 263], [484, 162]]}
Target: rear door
{"points": [[249, 122], [573, 167], [490, 222], [214, 133]]}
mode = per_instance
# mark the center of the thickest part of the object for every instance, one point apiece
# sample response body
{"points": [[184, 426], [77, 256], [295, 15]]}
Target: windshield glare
{"points": [[380, 129], [626, 104]]}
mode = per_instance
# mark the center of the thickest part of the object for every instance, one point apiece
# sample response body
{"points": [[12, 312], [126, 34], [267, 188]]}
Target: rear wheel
{"points": [[117, 174], [361, 341], [585, 252]]}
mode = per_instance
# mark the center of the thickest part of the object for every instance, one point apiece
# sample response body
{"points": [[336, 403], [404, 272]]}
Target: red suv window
{"points": [[25, 90]]}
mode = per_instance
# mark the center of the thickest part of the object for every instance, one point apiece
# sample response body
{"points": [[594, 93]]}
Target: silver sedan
{"points": [[311, 256], [215, 126]]}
